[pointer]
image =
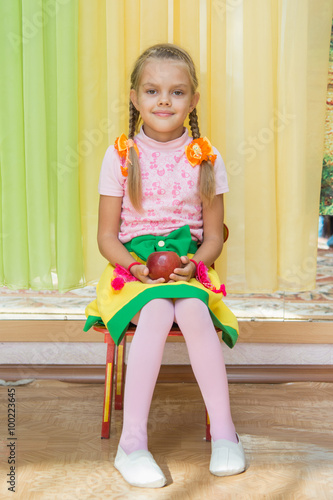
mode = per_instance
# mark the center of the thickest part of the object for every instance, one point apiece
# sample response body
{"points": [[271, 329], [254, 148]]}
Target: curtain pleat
{"points": [[256, 147], [64, 94], [153, 23], [14, 231], [35, 148], [68, 223], [96, 127]]}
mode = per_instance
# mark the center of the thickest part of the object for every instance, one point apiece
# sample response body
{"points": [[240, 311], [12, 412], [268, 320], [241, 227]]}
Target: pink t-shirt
{"points": [[169, 187]]}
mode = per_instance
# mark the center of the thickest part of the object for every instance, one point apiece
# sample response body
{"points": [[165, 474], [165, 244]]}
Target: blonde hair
{"points": [[207, 178]]}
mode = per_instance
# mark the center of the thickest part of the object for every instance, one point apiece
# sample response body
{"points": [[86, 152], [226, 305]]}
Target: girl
{"points": [[165, 189]]}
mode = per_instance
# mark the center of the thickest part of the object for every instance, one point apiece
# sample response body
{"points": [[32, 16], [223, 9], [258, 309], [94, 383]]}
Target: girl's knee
{"points": [[157, 308], [191, 306], [162, 305], [192, 312]]}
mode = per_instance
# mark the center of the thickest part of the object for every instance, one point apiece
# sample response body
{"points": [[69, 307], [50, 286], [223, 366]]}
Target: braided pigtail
{"points": [[207, 186], [134, 171], [193, 121]]}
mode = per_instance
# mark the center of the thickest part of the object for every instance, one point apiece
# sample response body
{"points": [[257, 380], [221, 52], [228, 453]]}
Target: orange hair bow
{"points": [[200, 150], [122, 145]]}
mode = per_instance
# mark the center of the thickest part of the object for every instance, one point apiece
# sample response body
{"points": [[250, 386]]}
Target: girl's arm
{"points": [[109, 245], [212, 244]]}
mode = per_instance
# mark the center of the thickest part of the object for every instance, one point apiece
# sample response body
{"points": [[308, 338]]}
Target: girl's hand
{"points": [[141, 273], [183, 273]]}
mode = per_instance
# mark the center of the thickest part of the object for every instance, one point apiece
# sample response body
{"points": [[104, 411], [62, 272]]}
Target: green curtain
{"points": [[41, 243]]}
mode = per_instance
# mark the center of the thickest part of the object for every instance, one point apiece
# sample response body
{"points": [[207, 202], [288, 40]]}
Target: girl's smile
{"points": [[163, 114], [164, 99]]}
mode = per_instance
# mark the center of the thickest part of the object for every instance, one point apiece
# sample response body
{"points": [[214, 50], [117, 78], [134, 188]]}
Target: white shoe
{"points": [[139, 469], [227, 458]]}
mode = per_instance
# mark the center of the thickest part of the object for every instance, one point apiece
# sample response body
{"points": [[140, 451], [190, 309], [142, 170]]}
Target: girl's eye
{"points": [[151, 92], [178, 92]]}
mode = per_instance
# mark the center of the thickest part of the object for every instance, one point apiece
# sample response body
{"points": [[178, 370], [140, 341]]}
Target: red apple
{"points": [[162, 264]]}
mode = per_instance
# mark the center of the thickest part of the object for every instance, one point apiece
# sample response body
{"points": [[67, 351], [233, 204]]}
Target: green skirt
{"points": [[116, 308]]}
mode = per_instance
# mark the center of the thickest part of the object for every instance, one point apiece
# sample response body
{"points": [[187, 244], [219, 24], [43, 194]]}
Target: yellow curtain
{"points": [[263, 68]]}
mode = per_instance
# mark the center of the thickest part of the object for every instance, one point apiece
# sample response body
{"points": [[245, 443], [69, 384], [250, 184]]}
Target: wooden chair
{"points": [[115, 357]]}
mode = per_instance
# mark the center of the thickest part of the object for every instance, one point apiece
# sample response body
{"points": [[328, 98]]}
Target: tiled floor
{"points": [[316, 304]]}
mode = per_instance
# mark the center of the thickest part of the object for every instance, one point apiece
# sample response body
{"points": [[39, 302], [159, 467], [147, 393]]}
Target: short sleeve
{"points": [[111, 180], [220, 174]]}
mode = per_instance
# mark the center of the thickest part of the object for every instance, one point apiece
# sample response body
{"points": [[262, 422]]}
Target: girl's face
{"points": [[164, 98]]}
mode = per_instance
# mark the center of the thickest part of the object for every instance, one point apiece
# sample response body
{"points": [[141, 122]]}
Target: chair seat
{"points": [[175, 330]]}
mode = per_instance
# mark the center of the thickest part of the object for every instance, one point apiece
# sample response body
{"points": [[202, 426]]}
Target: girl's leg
{"points": [[207, 362], [143, 366]]}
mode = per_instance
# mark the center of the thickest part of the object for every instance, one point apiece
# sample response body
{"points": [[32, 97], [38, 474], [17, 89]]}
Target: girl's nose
{"points": [[164, 100]]}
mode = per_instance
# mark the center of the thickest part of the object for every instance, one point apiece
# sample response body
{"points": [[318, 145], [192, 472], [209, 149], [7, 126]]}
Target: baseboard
{"points": [[93, 374]]}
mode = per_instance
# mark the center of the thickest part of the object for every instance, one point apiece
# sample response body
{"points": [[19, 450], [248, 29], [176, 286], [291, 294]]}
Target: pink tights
{"points": [[144, 363]]}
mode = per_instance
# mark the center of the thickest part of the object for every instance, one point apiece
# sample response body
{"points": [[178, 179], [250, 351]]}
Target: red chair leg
{"points": [[208, 436], [108, 389], [120, 365]]}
